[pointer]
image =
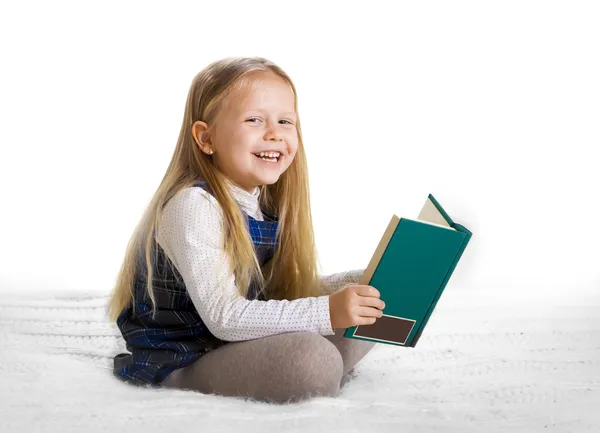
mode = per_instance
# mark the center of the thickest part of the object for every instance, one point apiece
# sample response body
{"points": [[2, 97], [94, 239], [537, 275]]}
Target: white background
{"points": [[491, 107]]}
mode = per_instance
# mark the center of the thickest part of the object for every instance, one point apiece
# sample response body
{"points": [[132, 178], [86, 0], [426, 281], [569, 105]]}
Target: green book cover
{"points": [[411, 267]]}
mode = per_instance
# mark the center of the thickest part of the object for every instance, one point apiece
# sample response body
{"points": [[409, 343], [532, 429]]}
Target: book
{"points": [[411, 267]]}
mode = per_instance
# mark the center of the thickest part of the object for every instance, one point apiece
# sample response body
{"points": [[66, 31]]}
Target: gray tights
{"points": [[280, 368]]}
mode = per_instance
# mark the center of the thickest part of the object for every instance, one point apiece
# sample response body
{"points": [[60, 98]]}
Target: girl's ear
{"points": [[201, 136]]}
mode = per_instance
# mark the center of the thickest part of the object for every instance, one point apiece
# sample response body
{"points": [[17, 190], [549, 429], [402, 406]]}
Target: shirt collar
{"points": [[249, 202]]}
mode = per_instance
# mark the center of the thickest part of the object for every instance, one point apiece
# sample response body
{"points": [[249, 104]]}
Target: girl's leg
{"points": [[279, 368], [352, 350]]}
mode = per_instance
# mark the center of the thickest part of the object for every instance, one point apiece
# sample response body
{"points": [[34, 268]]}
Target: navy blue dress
{"points": [[177, 336]]}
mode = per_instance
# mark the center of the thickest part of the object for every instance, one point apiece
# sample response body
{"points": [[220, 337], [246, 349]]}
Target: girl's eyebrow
{"points": [[257, 109]]}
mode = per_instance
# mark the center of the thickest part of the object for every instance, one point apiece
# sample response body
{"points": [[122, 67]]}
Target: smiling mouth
{"points": [[268, 159]]}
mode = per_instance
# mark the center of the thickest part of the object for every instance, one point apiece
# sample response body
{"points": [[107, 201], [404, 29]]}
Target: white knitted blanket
{"points": [[478, 367]]}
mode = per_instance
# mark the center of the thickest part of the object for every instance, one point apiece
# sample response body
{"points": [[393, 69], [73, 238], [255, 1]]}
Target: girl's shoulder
{"points": [[193, 198], [190, 214]]}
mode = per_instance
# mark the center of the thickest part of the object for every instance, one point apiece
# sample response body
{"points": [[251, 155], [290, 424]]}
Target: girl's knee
{"points": [[317, 366], [315, 349]]}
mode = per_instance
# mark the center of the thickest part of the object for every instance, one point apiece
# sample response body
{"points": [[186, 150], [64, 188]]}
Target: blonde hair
{"points": [[295, 274]]}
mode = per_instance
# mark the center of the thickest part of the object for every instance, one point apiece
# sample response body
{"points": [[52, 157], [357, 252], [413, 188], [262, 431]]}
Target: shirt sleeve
{"points": [[190, 234], [335, 282]]}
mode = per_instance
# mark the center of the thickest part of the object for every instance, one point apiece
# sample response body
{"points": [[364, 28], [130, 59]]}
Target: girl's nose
{"points": [[272, 134]]}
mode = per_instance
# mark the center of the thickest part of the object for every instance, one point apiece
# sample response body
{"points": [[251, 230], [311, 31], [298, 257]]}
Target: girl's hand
{"points": [[355, 305]]}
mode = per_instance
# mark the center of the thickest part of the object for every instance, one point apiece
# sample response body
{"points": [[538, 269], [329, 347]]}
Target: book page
{"points": [[430, 223], [430, 214]]}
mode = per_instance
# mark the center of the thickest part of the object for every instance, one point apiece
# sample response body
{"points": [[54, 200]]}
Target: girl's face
{"points": [[262, 120]]}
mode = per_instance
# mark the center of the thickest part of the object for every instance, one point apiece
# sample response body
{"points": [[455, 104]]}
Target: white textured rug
{"points": [[480, 366]]}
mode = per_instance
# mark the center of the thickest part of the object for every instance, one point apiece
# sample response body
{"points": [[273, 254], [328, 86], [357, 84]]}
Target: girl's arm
{"points": [[335, 282], [190, 233]]}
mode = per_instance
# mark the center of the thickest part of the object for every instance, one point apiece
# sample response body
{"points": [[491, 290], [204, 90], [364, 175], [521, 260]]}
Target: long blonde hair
{"points": [[296, 273]]}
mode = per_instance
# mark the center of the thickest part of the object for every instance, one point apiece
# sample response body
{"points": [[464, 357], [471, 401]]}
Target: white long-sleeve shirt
{"points": [[190, 233]]}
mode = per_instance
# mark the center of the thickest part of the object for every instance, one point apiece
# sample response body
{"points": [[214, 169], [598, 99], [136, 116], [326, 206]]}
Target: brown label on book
{"points": [[391, 329]]}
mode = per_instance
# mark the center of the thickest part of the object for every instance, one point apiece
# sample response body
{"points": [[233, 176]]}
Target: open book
{"points": [[411, 267]]}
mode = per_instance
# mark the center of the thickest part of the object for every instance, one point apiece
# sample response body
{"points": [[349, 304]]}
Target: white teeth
{"points": [[269, 154]]}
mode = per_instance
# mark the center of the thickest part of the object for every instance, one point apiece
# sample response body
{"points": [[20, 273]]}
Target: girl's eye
{"points": [[256, 118]]}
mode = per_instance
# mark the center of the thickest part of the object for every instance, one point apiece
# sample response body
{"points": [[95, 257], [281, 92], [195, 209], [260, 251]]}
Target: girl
{"points": [[219, 291]]}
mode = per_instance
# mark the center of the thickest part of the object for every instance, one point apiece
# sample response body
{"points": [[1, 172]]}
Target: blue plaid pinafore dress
{"points": [[177, 336]]}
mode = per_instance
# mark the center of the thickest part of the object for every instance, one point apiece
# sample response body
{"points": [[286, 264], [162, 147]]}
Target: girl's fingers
{"points": [[366, 320], [369, 312], [368, 301]]}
